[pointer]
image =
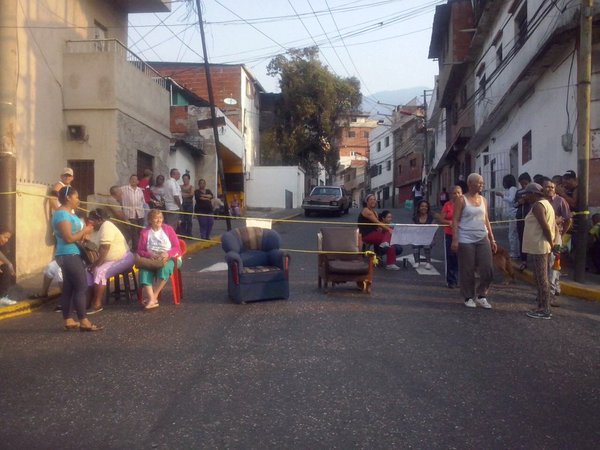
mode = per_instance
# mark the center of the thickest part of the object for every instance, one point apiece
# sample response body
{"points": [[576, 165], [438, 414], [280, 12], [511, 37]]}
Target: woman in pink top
{"points": [[159, 242]]}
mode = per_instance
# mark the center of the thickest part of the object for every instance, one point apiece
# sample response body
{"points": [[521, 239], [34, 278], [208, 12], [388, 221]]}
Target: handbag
{"points": [[89, 252], [141, 262]]}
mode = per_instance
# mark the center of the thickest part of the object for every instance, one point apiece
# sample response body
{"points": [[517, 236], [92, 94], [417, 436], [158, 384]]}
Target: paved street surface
{"points": [[407, 367]]}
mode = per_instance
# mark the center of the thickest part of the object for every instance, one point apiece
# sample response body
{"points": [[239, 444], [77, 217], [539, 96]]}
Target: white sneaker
{"points": [[483, 303], [469, 303], [415, 265], [428, 266], [392, 267], [384, 245], [5, 301]]}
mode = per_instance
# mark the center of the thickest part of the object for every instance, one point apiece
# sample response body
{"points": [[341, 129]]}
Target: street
{"points": [[406, 367]]}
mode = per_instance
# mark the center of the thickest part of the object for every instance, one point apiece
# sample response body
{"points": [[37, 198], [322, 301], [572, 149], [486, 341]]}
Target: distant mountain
{"points": [[397, 97]]}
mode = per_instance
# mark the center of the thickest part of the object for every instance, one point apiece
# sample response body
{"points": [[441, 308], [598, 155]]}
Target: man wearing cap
{"points": [[538, 239], [66, 178]]}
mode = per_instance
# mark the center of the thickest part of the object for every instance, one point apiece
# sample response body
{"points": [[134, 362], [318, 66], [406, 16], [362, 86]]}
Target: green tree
{"points": [[314, 104]]}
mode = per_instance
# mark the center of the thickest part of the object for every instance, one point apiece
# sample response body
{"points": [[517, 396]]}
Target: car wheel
{"points": [[339, 212], [306, 213]]}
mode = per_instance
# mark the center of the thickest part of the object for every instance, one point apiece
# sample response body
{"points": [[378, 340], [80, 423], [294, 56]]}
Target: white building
{"points": [[517, 79], [381, 163]]}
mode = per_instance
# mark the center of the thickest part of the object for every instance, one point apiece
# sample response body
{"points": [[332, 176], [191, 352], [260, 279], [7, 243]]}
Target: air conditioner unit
{"points": [[76, 132]]}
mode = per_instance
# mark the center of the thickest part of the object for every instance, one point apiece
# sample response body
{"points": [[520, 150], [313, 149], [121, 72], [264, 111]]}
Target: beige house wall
{"points": [[129, 112]]}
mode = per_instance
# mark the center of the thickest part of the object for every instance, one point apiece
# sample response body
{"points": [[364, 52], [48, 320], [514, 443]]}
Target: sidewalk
{"points": [[33, 283]]}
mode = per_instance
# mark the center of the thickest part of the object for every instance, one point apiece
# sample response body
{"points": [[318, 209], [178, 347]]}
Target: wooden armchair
{"points": [[344, 267]]}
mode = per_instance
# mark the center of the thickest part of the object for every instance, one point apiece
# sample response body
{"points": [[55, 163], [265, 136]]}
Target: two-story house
{"points": [[83, 100]]}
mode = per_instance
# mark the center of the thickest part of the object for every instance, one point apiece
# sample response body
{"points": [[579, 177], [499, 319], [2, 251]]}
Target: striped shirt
{"points": [[133, 202]]}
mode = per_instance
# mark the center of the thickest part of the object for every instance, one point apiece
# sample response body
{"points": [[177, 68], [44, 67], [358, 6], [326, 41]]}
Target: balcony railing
{"points": [[115, 46]]}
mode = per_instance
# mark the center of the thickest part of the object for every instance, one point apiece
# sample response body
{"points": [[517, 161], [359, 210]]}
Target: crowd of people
{"points": [[539, 213]]}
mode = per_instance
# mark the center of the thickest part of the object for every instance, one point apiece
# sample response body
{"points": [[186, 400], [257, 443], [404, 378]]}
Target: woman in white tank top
{"points": [[474, 242]]}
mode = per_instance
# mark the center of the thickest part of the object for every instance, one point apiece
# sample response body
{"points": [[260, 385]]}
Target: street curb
{"points": [[24, 307], [571, 288], [27, 306]]}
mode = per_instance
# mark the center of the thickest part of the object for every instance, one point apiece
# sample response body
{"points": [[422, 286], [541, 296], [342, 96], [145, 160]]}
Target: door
{"points": [[144, 161], [83, 179]]}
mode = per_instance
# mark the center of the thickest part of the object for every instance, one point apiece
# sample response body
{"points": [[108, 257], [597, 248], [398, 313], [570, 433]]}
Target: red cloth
{"points": [[377, 237], [170, 232], [144, 185], [448, 214]]}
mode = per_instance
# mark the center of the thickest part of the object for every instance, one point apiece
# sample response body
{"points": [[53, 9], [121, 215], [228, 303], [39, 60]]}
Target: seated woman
{"points": [[114, 256], [379, 234], [385, 216], [158, 242], [422, 216]]}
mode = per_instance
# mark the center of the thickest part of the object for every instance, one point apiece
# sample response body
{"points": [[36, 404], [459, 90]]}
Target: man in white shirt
{"points": [[133, 206], [172, 198]]}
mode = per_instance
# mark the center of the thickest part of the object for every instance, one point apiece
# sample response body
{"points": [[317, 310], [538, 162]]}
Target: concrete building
{"points": [[381, 164], [83, 99], [507, 84], [353, 144], [237, 94]]}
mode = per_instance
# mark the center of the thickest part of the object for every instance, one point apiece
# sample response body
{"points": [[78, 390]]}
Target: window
{"points": [[499, 56], [379, 146], [463, 97], [521, 26], [366, 134], [399, 169], [379, 169], [482, 87], [413, 163], [387, 141], [351, 134], [455, 113], [526, 150], [389, 165]]}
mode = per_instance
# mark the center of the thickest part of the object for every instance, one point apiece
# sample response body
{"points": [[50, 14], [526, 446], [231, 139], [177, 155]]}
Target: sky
{"points": [[383, 43]]}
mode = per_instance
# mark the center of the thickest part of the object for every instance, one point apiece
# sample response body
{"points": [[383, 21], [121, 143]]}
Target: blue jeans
{"points": [[74, 285], [206, 224], [186, 219], [451, 263]]}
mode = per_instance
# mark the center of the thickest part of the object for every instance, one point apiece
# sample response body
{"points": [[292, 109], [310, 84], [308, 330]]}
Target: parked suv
{"points": [[327, 198]]}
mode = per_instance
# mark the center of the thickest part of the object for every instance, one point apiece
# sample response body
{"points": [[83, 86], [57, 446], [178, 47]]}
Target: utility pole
{"points": [[213, 114], [8, 118], [425, 144], [584, 78]]}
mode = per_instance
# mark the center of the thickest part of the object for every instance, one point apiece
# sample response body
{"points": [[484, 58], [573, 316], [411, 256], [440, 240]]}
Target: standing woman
{"points": [[68, 230], [203, 206], [187, 205], [422, 217], [473, 240], [445, 218], [538, 240]]}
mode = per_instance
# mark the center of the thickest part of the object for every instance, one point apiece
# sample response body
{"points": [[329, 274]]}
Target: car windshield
{"points": [[326, 191]]}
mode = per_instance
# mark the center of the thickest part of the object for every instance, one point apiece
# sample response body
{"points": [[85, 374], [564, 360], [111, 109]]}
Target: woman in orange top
{"points": [[445, 218]]}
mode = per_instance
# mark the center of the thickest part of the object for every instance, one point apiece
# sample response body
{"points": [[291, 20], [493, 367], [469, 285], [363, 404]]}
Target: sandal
{"points": [[71, 326], [150, 306], [522, 267], [37, 296], [91, 328]]}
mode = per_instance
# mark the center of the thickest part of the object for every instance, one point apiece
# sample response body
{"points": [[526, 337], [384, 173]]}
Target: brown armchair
{"points": [[343, 267]]}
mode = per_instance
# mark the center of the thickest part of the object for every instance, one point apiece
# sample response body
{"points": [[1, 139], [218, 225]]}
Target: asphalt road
{"points": [[407, 367]]}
